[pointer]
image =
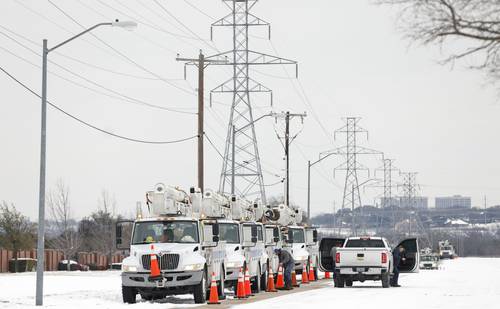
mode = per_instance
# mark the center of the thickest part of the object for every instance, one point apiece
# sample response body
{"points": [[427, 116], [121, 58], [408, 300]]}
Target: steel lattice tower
{"points": [[241, 169], [388, 168], [409, 189]]}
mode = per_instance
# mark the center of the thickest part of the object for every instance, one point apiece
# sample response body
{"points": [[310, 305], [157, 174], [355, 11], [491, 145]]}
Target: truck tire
{"points": [[146, 296], [348, 282], [128, 294], [316, 273], [339, 281], [386, 280], [200, 290]]}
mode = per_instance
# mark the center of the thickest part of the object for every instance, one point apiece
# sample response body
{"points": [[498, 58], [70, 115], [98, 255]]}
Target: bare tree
{"points": [[101, 225], [470, 28], [67, 238], [16, 231]]}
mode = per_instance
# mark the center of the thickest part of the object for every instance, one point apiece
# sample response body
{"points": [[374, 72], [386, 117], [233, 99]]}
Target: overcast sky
{"points": [[434, 120]]}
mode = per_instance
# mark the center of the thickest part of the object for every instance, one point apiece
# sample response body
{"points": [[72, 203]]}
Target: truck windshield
{"points": [[229, 232], [297, 235], [165, 232], [365, 243]]}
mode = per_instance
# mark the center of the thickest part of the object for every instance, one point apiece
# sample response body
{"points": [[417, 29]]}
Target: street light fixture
{"points": [[129, 25]]}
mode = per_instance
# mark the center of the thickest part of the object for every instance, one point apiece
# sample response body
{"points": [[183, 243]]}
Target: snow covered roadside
{"points": [[463, 283], [75, 290]]}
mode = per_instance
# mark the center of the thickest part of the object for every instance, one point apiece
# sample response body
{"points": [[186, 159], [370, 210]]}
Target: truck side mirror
{"points": [[123, 233], [276, 234], [315, 235], [254, 233], [215, 232]]}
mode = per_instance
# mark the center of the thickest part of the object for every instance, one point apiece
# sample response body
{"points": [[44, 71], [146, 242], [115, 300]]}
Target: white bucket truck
{"points": [[184, 240]]}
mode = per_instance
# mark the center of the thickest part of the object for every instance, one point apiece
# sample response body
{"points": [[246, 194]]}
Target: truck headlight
{"points": [[234, 264], [128, 268], [193, 267]]}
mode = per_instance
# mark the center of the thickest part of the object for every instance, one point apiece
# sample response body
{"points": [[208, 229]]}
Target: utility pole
{"points": [[201, 63], [288, 140], [247, 180]]}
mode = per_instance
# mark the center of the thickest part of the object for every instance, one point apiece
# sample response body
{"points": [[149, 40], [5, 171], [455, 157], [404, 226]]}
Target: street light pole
{"points": [[40, 266], [40, 253]]}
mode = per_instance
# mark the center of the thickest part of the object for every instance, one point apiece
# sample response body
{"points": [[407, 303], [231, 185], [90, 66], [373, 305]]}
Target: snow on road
{"points": [[463, 283], [467, 283]]}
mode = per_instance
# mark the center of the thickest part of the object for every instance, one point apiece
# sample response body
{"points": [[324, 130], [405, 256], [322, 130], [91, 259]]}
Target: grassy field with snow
{"points": [[462, 283]]}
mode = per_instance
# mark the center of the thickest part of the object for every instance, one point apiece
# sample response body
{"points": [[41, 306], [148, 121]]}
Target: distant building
{"points": [[418, 202], [389, 202], [455, 201]]}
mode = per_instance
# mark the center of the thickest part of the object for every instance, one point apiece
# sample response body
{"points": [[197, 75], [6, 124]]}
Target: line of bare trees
{"points": [[94, 233]]}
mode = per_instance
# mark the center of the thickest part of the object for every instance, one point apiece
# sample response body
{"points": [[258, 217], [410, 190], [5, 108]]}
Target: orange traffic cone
{"points": [[327, 275], [312, 277], [270, 281], [305, 279], [280, 282], [248, 288], [214, 295], [155, 268], [240, 288], [294, 279]]}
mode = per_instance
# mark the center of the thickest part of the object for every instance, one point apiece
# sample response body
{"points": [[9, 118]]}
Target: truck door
{"points": [[325, 247], [123, 234], [412, 256]]}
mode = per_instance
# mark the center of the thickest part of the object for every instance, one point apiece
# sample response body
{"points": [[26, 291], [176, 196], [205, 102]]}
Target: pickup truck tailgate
{"points": [[352, 257]]}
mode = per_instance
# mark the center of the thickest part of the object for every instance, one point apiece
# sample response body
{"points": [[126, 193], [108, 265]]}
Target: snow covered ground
{"points": [[462, 283]]}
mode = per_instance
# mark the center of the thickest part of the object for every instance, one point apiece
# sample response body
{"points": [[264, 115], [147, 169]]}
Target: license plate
{"points": [[360, 270], [360, 258]]}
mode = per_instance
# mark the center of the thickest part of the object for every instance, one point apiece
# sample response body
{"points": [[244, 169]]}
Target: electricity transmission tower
{"points": [[241, 168], [388, 169], [410, 190], [352, 166]]}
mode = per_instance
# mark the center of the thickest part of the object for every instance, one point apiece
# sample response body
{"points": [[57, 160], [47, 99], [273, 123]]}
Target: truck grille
{"points": [[167, 261]]}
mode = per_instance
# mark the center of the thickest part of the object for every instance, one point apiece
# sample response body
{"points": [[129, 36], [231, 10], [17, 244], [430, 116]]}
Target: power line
{"points": [[122, 54], [91, 125], [199, 10], [123, 96]]}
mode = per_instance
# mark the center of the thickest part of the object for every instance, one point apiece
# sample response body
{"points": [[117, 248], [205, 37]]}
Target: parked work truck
{"points": [[183, 240], [365, 258]]}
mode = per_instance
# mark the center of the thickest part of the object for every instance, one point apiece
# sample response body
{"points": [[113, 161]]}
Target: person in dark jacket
{"points": [[286, 259], [397, 256]]}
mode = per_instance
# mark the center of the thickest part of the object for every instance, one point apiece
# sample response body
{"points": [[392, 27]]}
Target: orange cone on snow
{"points": [[327, 275], [294, 279], [155, 268], [270, 281], [311, 272], [214, 295], [305, 279], [248, 288], [280, 282], [240, 288]]}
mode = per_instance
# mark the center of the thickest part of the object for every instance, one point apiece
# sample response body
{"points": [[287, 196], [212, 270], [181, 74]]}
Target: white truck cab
{"points": [[256, 256], [187, 248], [312, 247], [365, 258], [296, 244], [273, 240]]}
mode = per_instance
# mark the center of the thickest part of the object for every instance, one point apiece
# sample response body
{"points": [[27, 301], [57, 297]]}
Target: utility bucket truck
{"points": [[183, 240]]}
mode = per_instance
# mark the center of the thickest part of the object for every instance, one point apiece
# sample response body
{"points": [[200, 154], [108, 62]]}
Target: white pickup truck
{"points": [[365, 258]]}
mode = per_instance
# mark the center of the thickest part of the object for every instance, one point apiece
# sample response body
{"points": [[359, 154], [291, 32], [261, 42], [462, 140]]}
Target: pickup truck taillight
{"points": [[337, 257], [384, 257]]}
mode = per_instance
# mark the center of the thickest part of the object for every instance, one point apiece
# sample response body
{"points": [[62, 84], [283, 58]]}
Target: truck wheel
{"points": [[339, 281], [348, 282], [128, 294], [200, 290], [316, 273], [256, 282], [385, 280], [146, 296]]}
